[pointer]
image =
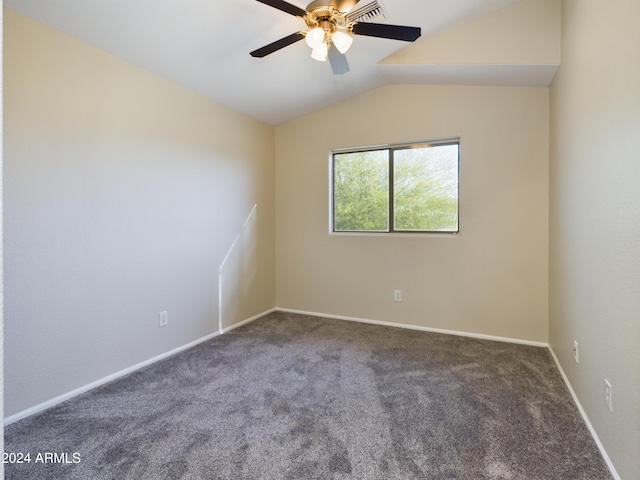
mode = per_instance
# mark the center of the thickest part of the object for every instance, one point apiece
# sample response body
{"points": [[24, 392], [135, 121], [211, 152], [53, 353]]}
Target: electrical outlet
{"points": [[576, 354], [607, 395], [163, 319], [397, 295]]}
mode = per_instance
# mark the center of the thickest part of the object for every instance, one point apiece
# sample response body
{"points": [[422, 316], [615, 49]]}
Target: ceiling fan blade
{"points": [[285, 7], [338, 61], [277, 45], [381, 30], [344, 6]]}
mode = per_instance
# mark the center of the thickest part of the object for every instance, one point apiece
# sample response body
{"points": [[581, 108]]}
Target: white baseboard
{"points": [[417, 327], [78, 391], [61, 398], [603, 452], [248, 320]]}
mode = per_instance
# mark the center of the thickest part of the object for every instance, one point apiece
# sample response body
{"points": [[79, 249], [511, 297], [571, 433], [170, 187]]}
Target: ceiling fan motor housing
{"points": [[321, 14], [318, 5]]}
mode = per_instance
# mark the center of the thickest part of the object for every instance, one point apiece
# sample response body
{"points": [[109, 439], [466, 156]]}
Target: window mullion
{"points": [[391, 193]]}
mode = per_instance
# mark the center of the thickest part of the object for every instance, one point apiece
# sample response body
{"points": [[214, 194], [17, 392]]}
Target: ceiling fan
{"points": [[330, 31]]}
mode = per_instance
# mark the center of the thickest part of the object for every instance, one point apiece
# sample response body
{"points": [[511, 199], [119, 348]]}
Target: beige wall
{"points": [[125, 195], [595, 217], [526, 32], [491, 279]]}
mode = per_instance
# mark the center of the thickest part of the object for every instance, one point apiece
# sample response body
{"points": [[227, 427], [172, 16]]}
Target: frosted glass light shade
{"points": [[320, 53], [342, 41], [315, 37]]}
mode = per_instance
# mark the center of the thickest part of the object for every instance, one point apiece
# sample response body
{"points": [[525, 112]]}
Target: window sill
{"points": [[397, 234]]}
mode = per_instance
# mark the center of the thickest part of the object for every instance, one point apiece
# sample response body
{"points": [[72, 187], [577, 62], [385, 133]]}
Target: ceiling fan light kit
{"points": [[342, 41], [329, 27], [320, 53], [315, 37]]}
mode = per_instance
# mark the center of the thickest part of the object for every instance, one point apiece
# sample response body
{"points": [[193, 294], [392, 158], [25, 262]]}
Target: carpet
{"points": [[290, 396]]}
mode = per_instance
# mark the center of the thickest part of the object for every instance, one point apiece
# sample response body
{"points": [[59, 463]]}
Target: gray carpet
{"points": [[298, 397]]}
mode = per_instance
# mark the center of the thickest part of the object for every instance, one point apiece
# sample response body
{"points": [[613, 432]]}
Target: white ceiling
{"points": [[205, 44]]}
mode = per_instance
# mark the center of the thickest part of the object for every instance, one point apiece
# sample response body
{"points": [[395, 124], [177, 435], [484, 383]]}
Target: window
{"points": [[397, 188]]}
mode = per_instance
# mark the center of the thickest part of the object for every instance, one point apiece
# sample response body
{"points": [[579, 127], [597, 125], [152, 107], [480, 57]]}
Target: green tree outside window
{"points": [[401, 189]]}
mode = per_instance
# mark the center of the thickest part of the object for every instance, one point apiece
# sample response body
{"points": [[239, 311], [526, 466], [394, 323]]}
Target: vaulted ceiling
{"points": [[204, 45]]}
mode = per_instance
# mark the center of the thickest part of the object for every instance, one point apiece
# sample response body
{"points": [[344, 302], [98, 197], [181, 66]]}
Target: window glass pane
{"points": [[425, 183], [361, 191]]}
